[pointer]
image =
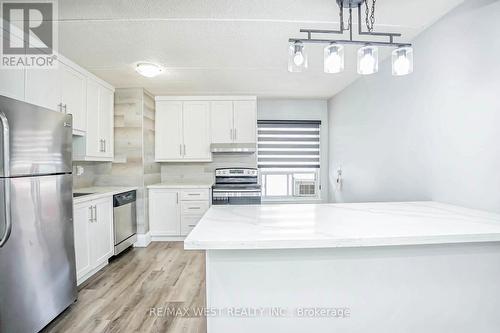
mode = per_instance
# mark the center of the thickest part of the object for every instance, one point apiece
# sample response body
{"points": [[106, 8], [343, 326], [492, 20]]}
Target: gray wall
{"points": [[133, 163], [301, 109], [433, 134]]}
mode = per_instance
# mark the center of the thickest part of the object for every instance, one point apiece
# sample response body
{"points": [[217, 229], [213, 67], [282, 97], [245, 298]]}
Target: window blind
{"points": [[288, 144]]}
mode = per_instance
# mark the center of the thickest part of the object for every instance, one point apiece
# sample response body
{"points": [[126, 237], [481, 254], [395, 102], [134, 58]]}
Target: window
{"points": [[289, 159]]}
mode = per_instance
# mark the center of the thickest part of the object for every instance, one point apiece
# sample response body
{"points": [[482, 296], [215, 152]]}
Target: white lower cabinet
{"points": [[164, 212], [175, 212], [93, 229]]}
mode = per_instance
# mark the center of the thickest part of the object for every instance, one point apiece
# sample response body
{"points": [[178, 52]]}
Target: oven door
{"points": [[239, 197]]}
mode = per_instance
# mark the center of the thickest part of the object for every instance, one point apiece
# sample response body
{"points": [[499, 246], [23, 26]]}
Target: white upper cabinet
{"points": [[234, 121], [106, 121], [222, 121], [196, 127], [98, 143], [93, 145], [43, 87], [73, 97], [168, 131], [245, 121], [182, 131], [186, 126], [70, 89]]}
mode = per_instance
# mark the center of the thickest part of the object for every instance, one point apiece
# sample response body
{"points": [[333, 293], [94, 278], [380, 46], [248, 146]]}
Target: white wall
{"points": [[301, 109], [434, 134]]}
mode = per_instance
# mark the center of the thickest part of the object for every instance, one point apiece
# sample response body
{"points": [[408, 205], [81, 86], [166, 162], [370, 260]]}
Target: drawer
{"points": [[195, 195], [194, 207], [188, 223]]}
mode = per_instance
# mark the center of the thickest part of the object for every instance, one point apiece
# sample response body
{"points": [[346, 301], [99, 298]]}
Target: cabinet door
{"points": [[101, 231], [12, 83], [93, 143], [221, 114], [245, 121], [164, 212], [188, 223], [81, 223], [196, 130], [168, 131], [43, 87], [73, 88], [106, 103]]}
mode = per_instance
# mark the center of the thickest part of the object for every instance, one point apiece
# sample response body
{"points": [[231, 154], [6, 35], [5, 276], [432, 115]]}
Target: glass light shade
{"points": [[333, 58], [368, 60], [297, 57], [402, 61], [148, 69]]}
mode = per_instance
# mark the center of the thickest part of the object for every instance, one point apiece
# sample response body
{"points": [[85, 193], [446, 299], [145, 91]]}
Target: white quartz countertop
{"points": [[98, 192], [341, 225], [184, 183]]}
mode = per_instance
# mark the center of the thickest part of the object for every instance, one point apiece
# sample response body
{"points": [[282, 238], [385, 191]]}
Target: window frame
{"points": [[290, 171]]}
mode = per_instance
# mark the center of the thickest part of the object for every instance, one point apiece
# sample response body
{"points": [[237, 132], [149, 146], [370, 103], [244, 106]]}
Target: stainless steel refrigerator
{"points": [[37, 259]]}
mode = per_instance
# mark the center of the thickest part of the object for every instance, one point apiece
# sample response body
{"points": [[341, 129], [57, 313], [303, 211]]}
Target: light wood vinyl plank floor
{"points": [[130, 294]]}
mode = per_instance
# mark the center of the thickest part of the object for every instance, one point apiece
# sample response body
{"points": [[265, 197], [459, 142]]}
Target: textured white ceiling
{"points": [[221, 46]]}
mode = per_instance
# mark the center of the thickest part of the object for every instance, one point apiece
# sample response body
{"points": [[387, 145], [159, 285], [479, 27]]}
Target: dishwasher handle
{"points": [[124, 198]]}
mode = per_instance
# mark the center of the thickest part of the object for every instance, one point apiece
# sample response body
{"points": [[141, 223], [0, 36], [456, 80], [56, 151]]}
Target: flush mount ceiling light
{"points": [[148, 69], [402, 56]]}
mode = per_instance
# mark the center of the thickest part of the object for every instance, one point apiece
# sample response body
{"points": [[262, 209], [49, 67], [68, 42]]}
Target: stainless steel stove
{"points": [[236, 186]]}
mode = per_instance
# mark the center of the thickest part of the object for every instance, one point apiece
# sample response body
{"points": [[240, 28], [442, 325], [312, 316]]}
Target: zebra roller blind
{"points": [[288, 144]]}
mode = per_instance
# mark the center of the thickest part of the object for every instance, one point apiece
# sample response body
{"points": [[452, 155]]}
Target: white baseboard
{"points": [[168, 238], [143, 240]]}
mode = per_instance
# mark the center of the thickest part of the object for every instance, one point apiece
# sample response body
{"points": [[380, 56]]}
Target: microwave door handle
{"points": [[6, 182]]}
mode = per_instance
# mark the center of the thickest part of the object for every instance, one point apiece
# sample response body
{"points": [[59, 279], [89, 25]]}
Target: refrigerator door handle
{"points": [[6, 173]]}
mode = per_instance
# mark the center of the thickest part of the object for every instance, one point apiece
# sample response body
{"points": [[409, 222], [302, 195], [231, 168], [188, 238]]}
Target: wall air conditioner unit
{"points": [[304, 188]]}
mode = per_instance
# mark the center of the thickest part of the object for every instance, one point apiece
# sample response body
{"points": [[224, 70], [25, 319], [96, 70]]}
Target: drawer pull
{"points": [[194, 193], [194, 207], [192, 225]]}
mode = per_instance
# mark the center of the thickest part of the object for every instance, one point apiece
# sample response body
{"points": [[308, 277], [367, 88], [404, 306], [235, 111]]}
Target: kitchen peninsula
{"points": [[378, 267]]}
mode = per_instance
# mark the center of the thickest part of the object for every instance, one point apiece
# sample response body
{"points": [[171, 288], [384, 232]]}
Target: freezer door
{"points": [[33, 140], [37, 262]]}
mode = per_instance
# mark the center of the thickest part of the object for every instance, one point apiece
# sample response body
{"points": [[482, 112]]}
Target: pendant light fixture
{"points": [[333, 58], [402, 56], [297, 57], [367, 60], [402, 61]]}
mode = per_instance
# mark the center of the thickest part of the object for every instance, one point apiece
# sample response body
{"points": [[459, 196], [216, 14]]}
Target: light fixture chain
{"points": [[370, 17]]}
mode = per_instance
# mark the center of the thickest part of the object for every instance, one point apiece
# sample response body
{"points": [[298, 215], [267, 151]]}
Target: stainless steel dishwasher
{"points": [[124, 220]]}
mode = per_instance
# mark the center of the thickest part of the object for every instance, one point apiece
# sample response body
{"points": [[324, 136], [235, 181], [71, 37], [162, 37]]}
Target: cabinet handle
{"points": [[60, 106], [91, 219], [191, 225], [184, 149], [95, 215], [65, 108], [194, 207], [235, 135], [177, 197], [104, 145], [194, 193], [231, 133]]}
